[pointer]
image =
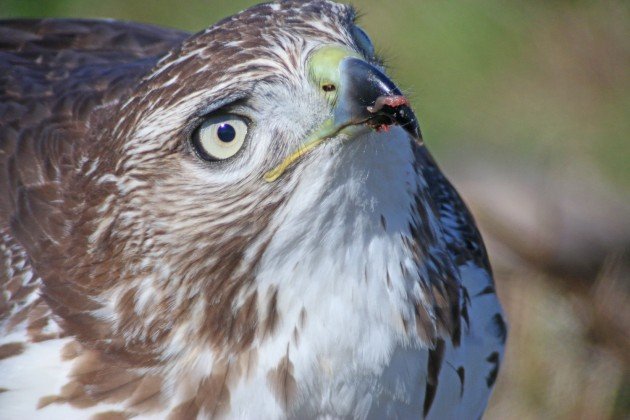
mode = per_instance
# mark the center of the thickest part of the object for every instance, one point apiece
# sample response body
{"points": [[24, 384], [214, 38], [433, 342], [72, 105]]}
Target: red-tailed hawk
{"points": [[239, 223]]}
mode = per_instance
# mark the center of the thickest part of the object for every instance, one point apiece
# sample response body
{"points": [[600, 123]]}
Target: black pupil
{"points": [[226, 133]]}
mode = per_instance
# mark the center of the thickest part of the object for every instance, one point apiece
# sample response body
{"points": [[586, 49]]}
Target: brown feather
{"points": [[282, 382]]}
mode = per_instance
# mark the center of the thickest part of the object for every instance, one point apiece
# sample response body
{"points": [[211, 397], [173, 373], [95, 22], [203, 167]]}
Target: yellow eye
{"points": [[220, 137]]}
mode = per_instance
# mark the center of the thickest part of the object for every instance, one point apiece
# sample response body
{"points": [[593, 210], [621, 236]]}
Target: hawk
{"points": [[239, 223]]}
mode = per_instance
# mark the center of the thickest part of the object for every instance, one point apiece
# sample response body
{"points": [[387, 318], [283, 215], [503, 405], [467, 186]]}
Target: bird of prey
{"points": [[239, 223]]}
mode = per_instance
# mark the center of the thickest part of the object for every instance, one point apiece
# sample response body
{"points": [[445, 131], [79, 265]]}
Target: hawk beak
{"points": [[365, 99], [370, 98]]}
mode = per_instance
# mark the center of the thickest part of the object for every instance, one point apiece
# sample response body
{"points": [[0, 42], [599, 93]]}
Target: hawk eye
{"points": [[220, 137]]}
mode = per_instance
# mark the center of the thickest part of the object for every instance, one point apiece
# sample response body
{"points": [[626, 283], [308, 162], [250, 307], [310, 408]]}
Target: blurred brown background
{"points": [[527, 107]]}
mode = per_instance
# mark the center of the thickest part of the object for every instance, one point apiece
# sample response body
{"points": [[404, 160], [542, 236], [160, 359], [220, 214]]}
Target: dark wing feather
{"points": [[462, 237], [477, 309]]}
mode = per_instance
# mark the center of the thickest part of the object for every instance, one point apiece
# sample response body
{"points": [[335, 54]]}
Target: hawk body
{"points": [[143, 280]]}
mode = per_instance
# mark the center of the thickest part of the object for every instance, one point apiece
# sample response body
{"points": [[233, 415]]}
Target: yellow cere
{"points": [[324, 68], [324, 71]]}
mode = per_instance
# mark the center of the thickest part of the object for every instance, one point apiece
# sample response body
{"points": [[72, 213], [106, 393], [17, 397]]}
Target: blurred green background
{"points": [[527, 106]]}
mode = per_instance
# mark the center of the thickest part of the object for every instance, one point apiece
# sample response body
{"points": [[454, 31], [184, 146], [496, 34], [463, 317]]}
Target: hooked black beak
{"points": [[369, 97]]}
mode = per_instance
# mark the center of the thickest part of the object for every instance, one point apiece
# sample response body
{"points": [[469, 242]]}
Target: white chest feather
{"points": [[335, 263]]}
